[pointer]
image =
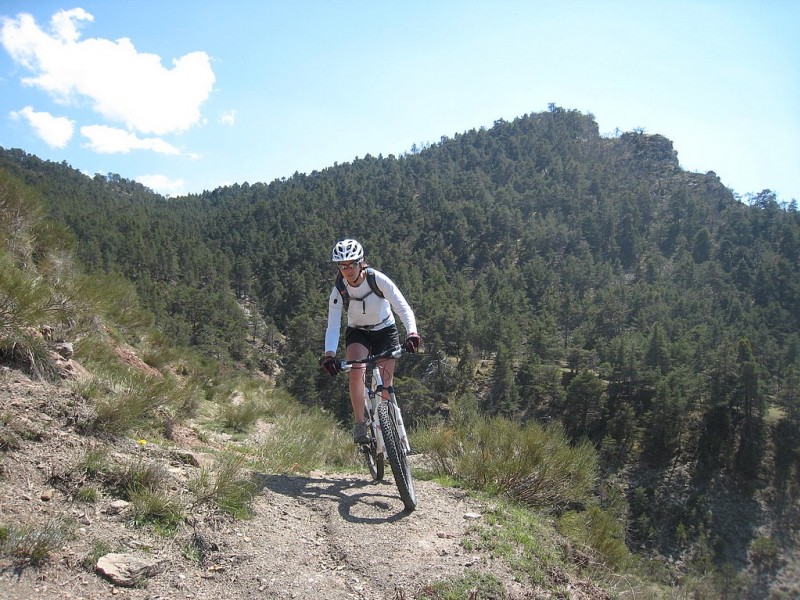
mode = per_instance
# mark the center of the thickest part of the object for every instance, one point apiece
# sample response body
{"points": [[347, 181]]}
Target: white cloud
{"points": [[110, 140], [228, 118], [55, 131], [123, 85], [163, 184]]}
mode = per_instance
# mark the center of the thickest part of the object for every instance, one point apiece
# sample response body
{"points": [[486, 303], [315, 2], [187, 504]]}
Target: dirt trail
{"points": [[324, 535]]}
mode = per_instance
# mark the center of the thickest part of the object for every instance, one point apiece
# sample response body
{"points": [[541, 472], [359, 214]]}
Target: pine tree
{"points": [[749, 401]]}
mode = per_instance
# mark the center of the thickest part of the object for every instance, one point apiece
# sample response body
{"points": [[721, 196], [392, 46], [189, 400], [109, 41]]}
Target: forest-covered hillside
{"points": [[556, 274]]}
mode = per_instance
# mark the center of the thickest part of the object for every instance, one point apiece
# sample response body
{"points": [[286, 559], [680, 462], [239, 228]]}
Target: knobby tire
{"points": [[371, 457], [397, 457]]}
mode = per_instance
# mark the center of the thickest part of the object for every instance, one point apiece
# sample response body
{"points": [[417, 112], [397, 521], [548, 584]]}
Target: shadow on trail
{"points": [[376, 495]]}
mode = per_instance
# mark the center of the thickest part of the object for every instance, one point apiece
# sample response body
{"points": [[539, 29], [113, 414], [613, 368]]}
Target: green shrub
{"points": [[471, 585], [97, 353], [157, 508], [242, 416], [128, 399], [599, 531], [29, 353], [136, 403], [94, 462], [305, 440], [137, 476], [33, 544], [191, 552], [143, 484], [520, 536], [28, 299], [90, 389], [225, 486], [279, 402], [764, 554], [184, 398], [87, 493], [14, 432], [113, 298], [9, 438], [535, 464]]}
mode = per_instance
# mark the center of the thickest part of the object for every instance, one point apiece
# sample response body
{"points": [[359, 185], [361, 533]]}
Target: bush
{"points": [[87, 493], [523, 538], [136, 402], [306, 440], [242, 416], [471, 585], [28, 300], [137, 476], [10, 438], [599, 531], [764, 554], [26, 304], [32, 544], [112, 297], [534, 464], [156, 507], [94, 462], [225, 487]]}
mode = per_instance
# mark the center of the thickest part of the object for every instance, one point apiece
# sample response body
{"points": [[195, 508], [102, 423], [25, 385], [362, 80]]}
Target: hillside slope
{"points": [[559, 277], [336, 534]]}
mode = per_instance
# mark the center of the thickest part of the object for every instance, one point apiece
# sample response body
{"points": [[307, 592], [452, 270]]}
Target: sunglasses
{"points": [[343, 266]]}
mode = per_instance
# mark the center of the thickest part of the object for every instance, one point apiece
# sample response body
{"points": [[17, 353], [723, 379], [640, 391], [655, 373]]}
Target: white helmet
{"points": [[347, 250]]}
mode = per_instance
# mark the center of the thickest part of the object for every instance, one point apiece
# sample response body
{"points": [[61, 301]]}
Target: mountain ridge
{"points": [[595, 282]]}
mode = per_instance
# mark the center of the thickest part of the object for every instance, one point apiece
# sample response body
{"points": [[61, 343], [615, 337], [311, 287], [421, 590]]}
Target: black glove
{"points": [[412, 343], [330, 364]]}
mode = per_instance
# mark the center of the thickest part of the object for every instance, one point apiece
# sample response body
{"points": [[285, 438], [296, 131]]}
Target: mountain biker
{"points": [[371, 327]]}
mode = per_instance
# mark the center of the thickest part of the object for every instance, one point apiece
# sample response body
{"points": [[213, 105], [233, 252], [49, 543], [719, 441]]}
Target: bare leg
{"points": [[387, 374], [356, 380]]}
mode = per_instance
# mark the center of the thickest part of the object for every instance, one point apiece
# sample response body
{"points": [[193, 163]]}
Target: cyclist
{"points": [[371, 327]]}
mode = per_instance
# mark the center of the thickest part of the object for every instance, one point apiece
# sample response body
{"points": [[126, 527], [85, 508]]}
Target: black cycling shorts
{"points": [[375, 341]]}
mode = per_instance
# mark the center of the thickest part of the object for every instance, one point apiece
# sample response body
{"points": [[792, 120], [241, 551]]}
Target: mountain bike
{"points": [[385, 423]]}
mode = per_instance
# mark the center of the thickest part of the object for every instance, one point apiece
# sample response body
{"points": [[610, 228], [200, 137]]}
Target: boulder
{"points": [[128, 570]]}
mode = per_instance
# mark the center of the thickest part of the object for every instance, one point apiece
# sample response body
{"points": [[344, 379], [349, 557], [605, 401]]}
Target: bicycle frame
{"points": [[373, 388], [385, 420]]}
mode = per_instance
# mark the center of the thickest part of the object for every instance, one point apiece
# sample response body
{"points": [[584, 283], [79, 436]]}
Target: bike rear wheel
{"points": [[372, 457], [397, 456]]}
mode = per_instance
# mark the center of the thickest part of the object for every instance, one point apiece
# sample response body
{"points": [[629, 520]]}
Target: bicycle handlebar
{"points": [[395, 352]]}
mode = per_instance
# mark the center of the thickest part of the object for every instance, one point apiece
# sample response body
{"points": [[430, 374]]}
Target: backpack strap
{"points": [[373, 283], [341, 285]]}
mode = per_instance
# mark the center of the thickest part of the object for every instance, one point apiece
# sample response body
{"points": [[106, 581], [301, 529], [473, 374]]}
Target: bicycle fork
{"points": [[374, 396], [372, 399]]}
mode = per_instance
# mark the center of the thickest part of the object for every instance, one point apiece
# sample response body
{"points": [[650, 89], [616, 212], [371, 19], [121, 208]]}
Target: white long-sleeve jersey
{"points": [[373, 312]]}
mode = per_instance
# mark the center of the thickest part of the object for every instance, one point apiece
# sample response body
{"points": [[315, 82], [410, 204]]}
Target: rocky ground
{"points": [[312, 536], [318, 535]]}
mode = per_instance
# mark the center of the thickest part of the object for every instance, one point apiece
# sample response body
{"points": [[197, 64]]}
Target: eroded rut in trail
{"points": [[320, 536], [350, 537]]}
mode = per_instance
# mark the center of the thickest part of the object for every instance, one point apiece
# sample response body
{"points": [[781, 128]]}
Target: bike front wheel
{"points": [[372, 457], [397, 456]]}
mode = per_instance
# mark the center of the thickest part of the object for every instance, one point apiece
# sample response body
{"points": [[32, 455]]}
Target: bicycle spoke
{"points": [[397, 456], [373, 459]]}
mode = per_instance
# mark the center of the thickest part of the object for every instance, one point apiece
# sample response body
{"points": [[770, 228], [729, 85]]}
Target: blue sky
{"points": [[189, 95]]}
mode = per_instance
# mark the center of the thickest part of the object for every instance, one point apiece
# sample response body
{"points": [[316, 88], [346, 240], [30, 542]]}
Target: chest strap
{"points": [[370, 327]]}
